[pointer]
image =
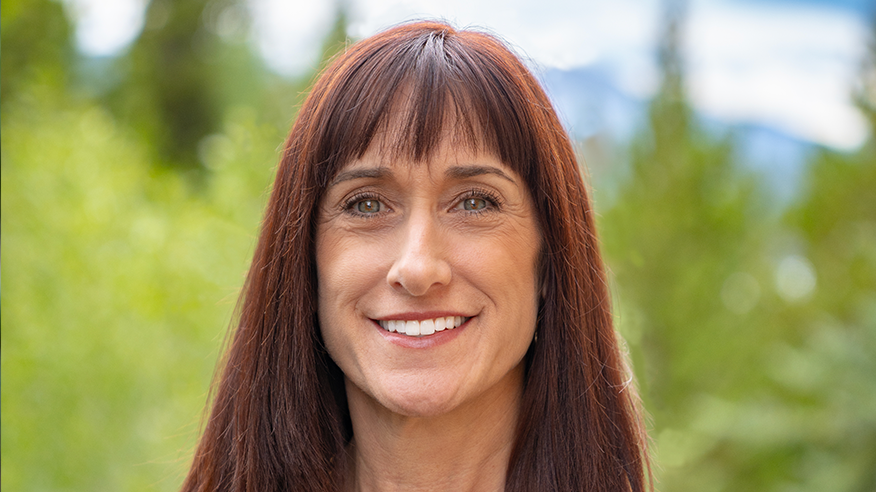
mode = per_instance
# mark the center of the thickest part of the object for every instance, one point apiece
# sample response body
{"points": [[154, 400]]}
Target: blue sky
{"points": [[789, 65]]}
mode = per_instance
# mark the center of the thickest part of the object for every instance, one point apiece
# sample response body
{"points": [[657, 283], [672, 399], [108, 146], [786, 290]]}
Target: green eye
{"points": [[368, 206], [474, 204]]}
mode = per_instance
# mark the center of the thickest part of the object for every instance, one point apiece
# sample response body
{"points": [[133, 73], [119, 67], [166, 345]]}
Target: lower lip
{"points": [[423, 342]]}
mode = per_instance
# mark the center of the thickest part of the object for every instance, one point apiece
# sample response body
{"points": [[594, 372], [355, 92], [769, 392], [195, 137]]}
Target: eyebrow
{"points": [[456, 172], [462, 172], [375, 173]]}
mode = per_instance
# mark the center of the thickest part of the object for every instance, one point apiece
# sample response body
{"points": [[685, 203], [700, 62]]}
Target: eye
{"points": [[474, 204], [368, 206], [365, 205], [478, 200]]}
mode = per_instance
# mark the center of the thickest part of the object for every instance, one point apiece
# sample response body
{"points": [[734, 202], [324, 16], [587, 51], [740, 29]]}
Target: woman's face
{"points": [[444, 251]]}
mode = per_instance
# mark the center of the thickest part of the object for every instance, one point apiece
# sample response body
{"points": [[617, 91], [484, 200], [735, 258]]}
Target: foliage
{"points": [[34, 36], [118, 281], [753, 333]]}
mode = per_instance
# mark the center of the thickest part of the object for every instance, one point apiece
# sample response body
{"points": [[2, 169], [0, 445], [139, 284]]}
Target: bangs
{"points": [[414, 126], [406, 91]]}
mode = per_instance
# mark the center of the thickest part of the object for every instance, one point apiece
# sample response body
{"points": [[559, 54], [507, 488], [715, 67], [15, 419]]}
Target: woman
{"points": [[427, 307]]}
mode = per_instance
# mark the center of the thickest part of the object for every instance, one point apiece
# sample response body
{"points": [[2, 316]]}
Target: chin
{"points": [[416, 399], [421, 408]]}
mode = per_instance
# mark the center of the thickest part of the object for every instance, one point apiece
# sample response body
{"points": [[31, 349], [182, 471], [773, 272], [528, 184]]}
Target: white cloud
{"points": [[791, 68], [788, 66], [553, 33], [105, 27], [289, 34]]}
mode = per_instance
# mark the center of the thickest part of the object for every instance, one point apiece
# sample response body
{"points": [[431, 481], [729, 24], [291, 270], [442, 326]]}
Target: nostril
{"points": [[420, 264], [418, 276]]}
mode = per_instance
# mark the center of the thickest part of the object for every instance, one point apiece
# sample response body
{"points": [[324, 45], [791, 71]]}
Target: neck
{"points": [[466, 449]]}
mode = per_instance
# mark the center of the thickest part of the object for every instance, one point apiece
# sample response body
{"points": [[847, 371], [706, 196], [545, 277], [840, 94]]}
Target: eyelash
{"points": [[350, 205], [494, 202]]}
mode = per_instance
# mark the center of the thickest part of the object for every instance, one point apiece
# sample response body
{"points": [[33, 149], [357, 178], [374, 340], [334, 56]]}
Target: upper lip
{"points": [[419, 316]]}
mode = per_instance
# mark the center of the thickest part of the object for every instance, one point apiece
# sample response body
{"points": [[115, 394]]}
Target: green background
{"points": [[132, 190]]}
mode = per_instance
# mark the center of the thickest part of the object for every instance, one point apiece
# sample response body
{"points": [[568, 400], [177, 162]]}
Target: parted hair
{"points": [[279, 419]]}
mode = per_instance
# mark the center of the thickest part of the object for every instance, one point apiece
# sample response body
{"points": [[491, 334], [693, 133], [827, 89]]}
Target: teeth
{"points": [[422, 328], [412, 328]]}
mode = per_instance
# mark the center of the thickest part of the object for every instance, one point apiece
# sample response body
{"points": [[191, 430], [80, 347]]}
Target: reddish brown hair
{"points": [[279, 418]]}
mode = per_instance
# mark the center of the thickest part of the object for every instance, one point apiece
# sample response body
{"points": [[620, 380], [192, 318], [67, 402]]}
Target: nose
{"points": [[421, 262]]}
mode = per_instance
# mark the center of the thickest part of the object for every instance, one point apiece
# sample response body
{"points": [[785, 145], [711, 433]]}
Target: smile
{"points": [[424, 327]]}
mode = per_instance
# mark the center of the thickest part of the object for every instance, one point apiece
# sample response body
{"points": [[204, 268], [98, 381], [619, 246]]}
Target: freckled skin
{"points": [[399, 238]]}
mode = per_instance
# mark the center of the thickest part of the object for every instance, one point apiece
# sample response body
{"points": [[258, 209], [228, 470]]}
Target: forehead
{"points": [[447, 162], [448, 148]]}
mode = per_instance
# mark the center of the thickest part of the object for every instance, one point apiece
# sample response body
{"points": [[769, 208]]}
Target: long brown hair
{"points": [[279, 419]]}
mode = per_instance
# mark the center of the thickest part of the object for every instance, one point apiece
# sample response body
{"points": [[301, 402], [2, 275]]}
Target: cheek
{"points": [[334, 281], [502, 267], [346, 266], [520, 270], [338, 279], [349, 270], [506, 262]]}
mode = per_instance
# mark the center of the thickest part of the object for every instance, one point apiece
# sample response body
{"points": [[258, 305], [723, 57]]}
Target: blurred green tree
{"points": [[750, 329], [825, 366], [118, 280], [35, 36], [685, 220], [170, 92]]}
